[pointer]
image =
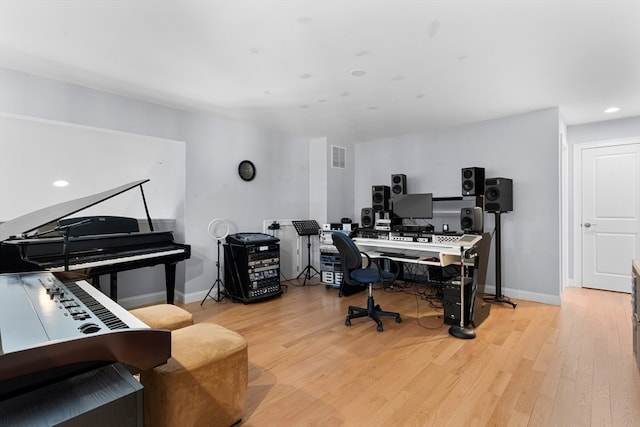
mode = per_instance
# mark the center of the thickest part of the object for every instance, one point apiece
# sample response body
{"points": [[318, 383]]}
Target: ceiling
{"points": [[355, 70]]}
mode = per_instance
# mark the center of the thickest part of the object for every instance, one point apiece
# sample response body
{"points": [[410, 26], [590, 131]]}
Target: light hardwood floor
{"points": [[536, 365]]}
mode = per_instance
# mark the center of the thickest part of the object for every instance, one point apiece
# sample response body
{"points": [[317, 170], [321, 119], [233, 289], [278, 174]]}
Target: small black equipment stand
{"points": [[252, 267], [499, 298], [307, 228]]}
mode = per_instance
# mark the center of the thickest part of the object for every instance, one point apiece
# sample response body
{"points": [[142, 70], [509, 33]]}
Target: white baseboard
{"points": [[161, 298], [145, 299], [197, 296], [526, 295]]}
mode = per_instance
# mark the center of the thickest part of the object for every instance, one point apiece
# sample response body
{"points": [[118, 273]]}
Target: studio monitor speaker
{"points": [[380, 197], [471, 220], [472, 181], [398, 184], [498, 194], [367, 218]]}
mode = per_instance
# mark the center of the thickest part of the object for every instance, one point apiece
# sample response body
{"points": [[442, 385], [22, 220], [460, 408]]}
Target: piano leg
{"points": [[113, 290], [170, 280], [95, 280]]}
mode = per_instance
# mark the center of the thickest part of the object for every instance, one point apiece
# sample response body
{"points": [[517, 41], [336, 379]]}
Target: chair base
{"points": [[372, 311]]}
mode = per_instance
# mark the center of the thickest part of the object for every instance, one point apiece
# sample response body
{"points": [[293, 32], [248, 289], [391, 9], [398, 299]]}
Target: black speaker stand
{"points": [[498, 297], [219, 295]]}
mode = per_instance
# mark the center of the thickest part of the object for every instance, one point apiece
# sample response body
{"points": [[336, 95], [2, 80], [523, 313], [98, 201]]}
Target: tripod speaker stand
{"points": [[218, 235], [307, 228]]}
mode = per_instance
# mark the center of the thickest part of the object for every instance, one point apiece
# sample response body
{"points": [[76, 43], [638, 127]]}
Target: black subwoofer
{"points": [[498, 194]]}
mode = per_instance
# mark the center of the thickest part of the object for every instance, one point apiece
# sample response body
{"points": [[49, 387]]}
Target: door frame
{"points": [[577, 197]]}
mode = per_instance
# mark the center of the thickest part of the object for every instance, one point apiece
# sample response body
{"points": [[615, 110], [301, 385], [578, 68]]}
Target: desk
{"points": [[441, 251], [436, 254]]}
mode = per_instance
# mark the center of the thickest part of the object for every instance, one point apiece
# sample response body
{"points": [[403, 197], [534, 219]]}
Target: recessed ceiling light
{"points": [[612, 110], [60, 183], [304, 20], [358, 73]]}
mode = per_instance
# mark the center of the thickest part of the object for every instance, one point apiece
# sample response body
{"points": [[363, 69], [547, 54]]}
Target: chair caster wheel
{"points": [[379, 328], [398, 319], [347, 322]]}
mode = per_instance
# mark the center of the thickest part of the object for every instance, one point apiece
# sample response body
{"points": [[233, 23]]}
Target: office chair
{"points": [[354, 274]]}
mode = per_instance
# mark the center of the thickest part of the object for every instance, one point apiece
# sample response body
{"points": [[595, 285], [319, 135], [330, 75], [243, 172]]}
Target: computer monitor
{"points": [[413, 206]]}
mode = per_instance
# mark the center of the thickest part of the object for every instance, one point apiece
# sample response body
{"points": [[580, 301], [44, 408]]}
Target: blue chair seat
{"points": [[371, 275], [353, 274]]}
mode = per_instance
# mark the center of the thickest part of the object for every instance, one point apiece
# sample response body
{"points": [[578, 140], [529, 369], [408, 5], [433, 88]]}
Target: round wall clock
{"points": [[247, 170]]}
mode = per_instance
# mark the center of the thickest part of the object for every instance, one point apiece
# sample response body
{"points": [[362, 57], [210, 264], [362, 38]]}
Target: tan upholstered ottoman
{"points": [[164, 316], [204, 383]]}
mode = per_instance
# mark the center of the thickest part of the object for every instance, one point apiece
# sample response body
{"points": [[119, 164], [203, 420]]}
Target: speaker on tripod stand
{"points": [[218, 229]]}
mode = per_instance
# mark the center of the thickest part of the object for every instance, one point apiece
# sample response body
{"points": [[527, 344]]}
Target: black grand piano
{"points": [[45, 240]]}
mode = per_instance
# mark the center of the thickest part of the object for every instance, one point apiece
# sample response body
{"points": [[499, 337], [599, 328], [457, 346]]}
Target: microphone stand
{"points": [[65, 246], [64, 231]]}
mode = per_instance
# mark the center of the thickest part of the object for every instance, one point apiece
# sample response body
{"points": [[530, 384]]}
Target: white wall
{"points": [[91, 160], [523, 147], [319, 156], [605, 130], [214, 146], [339, 183]]}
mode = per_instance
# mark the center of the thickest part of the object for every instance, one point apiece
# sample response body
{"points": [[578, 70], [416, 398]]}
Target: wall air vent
{"points": [[338, 157]]}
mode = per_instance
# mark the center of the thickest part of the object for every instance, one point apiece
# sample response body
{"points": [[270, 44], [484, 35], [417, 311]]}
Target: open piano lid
{"points": [[34, 220]]}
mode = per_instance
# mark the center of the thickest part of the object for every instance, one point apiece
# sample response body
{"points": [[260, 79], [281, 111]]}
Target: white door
{"points": [[610, 222]]}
